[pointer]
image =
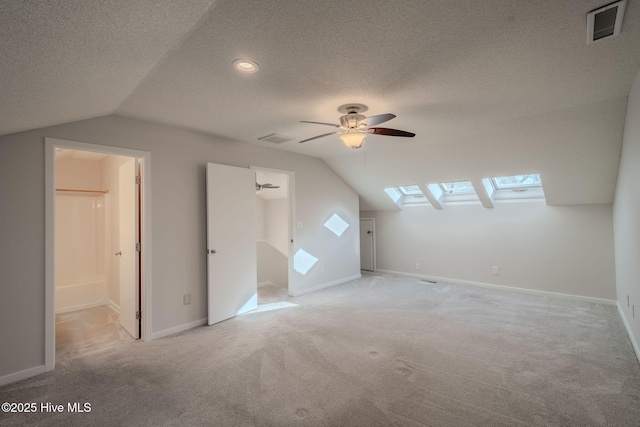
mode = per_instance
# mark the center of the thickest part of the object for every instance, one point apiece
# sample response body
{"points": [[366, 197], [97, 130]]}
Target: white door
{"points": [[367, 255], [232, 283], [127, 219]]}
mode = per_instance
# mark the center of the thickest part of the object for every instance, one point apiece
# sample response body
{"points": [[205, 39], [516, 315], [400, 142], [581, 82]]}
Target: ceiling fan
{"points": [[354, 126], [259, 187]]}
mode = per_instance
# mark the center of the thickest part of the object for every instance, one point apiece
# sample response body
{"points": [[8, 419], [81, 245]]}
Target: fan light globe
{"points": [[353, 139]]}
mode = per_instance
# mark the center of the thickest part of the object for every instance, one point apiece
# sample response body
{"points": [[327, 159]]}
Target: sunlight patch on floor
{"points": [[272, 306]]}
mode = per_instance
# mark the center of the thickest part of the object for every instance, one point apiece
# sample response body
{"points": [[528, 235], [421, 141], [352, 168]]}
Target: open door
{"points": [[127, 230], [231, 242]]}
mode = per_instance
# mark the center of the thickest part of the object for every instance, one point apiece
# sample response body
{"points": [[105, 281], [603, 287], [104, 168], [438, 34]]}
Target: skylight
{"points": [[410, 190], [407, 195], [457, 187], [517, 182], [528, 186]]}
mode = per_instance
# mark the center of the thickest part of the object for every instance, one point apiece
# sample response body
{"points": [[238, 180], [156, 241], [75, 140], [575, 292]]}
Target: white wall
{"points": [[277, 224], [80, 223], [178, 164], [626, 216], [261, 218], [565, 250], [273, 266]]}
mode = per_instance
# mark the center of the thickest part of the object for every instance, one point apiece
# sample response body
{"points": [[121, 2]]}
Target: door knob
{"points": [[119, 253], [212, 251]]}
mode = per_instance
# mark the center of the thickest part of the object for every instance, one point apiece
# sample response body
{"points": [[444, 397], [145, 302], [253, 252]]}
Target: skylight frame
{"points": [[516, 187], [517, 191], [447, 187], [407, 195], [410, 190], [463, 194]]}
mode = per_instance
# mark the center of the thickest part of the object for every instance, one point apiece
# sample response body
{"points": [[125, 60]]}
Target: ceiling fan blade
{"points": [[319, 136], [321, 123], [380, 118], [391, 132]]}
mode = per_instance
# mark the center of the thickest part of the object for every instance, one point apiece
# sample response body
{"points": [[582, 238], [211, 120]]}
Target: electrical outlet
{"points": [[298, 224], [186, 299], [496, 270], [417, 266], [322, 269]]}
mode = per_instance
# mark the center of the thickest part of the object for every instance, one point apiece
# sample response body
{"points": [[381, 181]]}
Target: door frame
{"points": [[373, 241], [292, 229], [50, 145]]}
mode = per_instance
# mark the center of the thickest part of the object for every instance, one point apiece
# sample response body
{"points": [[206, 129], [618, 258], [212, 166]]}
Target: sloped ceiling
{"points": [[490, 88]]}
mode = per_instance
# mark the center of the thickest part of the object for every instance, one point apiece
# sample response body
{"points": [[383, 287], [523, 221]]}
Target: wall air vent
{"points": [[605, 22], [275, 138]]}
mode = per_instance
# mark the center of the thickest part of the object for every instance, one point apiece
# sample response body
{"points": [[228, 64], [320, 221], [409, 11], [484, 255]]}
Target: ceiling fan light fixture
{"points": [[353, 139], [245, 66]]}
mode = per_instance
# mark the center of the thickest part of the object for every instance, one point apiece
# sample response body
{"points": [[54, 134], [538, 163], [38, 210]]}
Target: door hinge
{"points": [[138, 179], [138, 315], [138, 247]]}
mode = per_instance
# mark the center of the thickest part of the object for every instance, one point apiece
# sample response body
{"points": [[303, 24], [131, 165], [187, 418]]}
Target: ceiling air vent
{"points": [[275, 138], [605, 22]]}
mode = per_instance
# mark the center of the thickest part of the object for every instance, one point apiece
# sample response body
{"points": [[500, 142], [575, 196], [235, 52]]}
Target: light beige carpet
{"points": [[378, 351]]}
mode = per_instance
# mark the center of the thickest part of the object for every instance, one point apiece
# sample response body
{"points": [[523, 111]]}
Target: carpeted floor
{"points": [[378, 351]]}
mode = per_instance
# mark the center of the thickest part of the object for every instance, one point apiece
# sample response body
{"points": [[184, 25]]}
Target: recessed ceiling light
{"points": [[245, 66]]}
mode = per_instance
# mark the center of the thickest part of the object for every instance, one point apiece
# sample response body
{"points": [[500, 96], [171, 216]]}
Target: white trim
{"points": [[634, 344], [50, 144], [18, 376], [503, 288], [266, 283], [115, 307], [178, 329], [326, 285], [81, 307]]}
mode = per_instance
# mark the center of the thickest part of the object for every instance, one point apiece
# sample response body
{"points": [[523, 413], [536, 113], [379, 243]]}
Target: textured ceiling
{"points": [[490, 88]]}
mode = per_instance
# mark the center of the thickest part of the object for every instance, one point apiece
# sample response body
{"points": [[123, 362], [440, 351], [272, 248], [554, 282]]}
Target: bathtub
{"points": [[90, 291]]}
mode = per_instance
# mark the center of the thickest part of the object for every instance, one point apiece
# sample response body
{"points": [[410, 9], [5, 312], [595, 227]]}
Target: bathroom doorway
{"points": [[96, 224], [96, 262]]}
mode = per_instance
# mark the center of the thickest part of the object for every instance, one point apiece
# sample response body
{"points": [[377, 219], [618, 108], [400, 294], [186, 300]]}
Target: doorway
{"points": [[273, 235], [96, 227], [367, 244], [232, 265]]}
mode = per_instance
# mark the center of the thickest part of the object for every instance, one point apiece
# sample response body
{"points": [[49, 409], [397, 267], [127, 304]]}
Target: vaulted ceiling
{"points": [[490, 88]]}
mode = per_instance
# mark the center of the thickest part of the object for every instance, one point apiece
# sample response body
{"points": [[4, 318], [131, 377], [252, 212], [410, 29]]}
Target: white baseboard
{"points": [[266, 283], [325, 285], [179, 328], [18, 376], [504, 288], [634, 344], [114, 306], [80, 307]]}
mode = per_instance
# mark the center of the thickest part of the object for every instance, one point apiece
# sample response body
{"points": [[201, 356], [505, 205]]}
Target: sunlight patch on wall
{"points": [[336, 224], [303, 261]]}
